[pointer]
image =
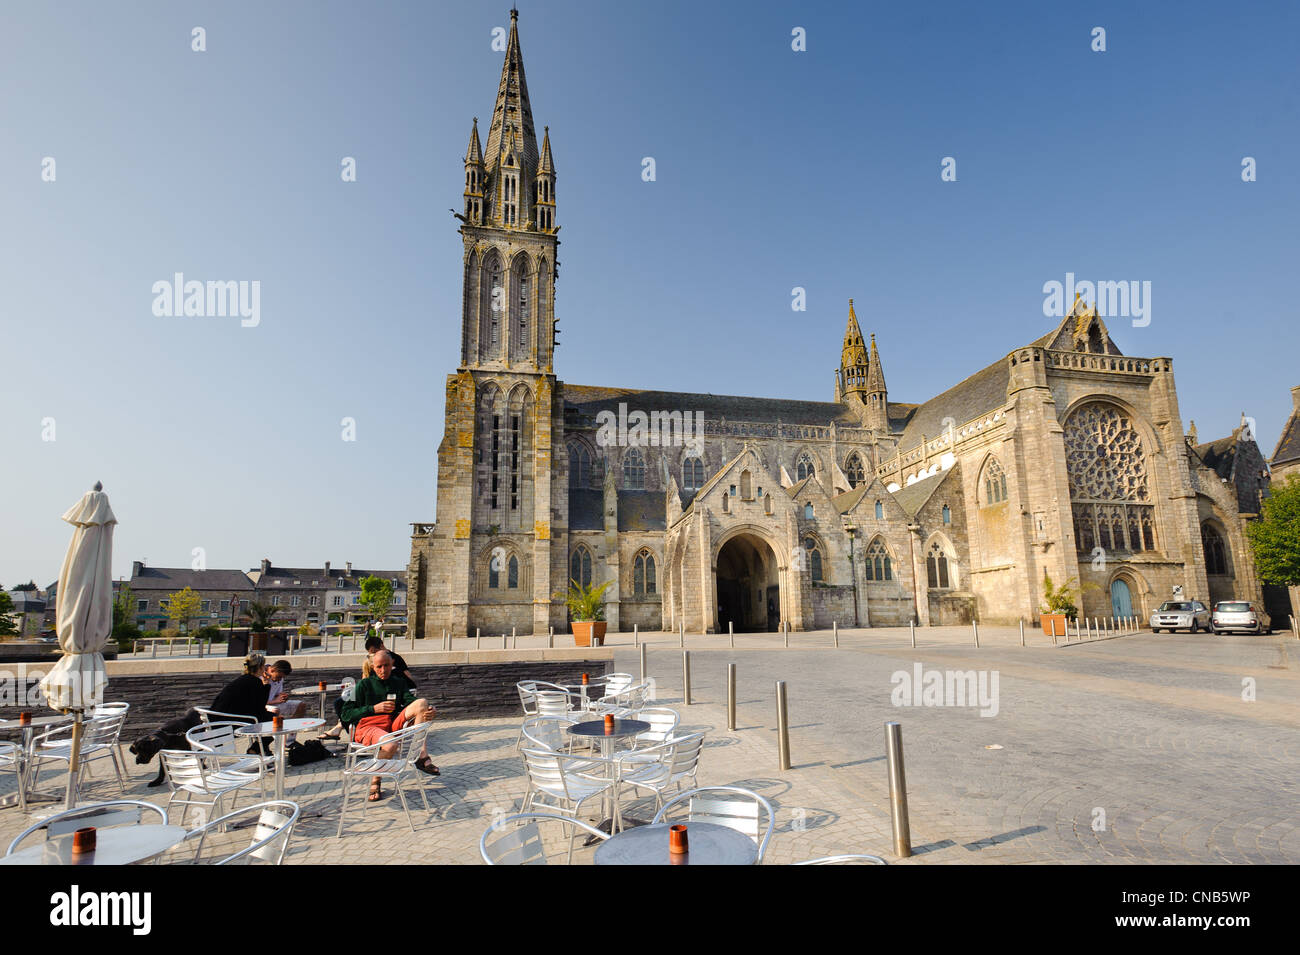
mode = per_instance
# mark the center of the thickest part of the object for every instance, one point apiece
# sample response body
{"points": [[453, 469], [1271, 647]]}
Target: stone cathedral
{"points": [[1063, 457]]}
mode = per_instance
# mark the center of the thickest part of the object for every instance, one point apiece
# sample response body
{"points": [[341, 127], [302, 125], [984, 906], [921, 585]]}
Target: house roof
{"points": [[1220, 455], [913, 497], [178, 578], [1288, 446], [335, 578]]}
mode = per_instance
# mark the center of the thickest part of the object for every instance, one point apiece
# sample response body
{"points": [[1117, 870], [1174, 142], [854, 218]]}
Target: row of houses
{"points": [[319, 596]]}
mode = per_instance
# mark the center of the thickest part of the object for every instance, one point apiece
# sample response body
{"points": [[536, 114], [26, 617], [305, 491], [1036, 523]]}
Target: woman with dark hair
{"points": [[246, 695]]}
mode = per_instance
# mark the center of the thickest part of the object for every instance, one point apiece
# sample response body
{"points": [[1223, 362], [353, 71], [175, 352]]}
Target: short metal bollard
{"points": [[514, 638], [643, 662], [911, 628], [731, 696], [478, 638], [835, 632], [681, 634], [636, 635], [898, 789], [550, 638], [1022, 631], [785, 626], [504, 644], [975, 629], [782, 725], [1067, 631], [153, 649], [731, 634], [686, 677]]}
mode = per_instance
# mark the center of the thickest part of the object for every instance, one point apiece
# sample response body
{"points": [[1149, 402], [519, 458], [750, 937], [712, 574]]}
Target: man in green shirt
{"points": [[384, 703]]}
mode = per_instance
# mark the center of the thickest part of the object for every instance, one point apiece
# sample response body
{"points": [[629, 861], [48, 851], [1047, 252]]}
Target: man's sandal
{"points": [[376, 792], [425, 765]]}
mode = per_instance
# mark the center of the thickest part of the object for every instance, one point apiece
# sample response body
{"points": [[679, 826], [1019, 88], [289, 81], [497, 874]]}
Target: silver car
{"points": [[1238, 615], [1189, 615]]}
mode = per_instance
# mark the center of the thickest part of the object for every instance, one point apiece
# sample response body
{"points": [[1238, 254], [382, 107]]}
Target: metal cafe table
{"points": [[710, 844], [268, 729], [121, 845], [309, 690], [595, 729], [25, 748]]}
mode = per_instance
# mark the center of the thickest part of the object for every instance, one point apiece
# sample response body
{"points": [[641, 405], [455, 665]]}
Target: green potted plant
{"points": [[1058, 606], [586, 613], [261, 615]]}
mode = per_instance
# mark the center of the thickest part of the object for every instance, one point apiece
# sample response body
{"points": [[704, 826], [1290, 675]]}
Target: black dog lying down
{"points": [[171, 736]]}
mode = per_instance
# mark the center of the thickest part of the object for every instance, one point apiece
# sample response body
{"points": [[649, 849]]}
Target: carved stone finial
{"points": [[99, 486]]}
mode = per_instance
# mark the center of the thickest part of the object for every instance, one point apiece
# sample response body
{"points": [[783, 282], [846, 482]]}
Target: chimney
{"points": [[327, 569], [1295, 399], [266, 566], [136, 567], [349, 567]]}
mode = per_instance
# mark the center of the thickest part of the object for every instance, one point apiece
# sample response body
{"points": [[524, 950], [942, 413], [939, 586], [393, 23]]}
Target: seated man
{"points": [[385, 703]]}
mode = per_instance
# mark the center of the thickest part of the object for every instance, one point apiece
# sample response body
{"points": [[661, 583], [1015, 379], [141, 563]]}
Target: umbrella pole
{"points": [[74, 761]]}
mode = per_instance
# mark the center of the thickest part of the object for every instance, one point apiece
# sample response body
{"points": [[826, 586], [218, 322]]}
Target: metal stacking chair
{"points": [[562, 783], [104, 815], [271, 835], [99, 739], [730, 806], [519, 839], [13, 759], [206, 777], [364, 761], [844, 860], [221, 738]]}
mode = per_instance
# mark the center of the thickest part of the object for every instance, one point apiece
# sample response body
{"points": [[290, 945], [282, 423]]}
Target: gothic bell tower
{"points": [[509, 231]]}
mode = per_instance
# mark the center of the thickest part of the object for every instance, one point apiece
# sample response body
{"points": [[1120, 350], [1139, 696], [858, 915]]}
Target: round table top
{"points": [[308, 690], [710, 844], [596, 728], [36, 721], [120, 845], [290, 726]]}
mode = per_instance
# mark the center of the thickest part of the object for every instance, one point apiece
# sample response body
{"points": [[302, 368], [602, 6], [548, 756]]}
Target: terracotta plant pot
{"points": [[1053, 619], [588, 633]]}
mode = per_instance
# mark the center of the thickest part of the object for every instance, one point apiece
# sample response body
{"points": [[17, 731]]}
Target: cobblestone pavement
{"points": [[1140, 748]]}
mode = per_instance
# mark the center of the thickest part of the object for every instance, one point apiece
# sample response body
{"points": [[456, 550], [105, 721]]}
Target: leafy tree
{"points": [[7, 625], [29, 586], [123, 628], [183, 606], [377, 596], [1275, 537]]}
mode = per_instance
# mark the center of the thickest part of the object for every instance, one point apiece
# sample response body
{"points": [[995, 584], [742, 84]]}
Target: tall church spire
{"points": [[512, 113], [853, 357], [862, 377]]}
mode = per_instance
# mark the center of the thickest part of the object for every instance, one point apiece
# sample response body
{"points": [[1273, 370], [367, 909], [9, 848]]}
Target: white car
{"points": [[1238, 615], [1189, 615]]}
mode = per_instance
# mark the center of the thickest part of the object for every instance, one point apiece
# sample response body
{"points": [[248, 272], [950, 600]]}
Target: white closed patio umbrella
{"points": [[85, 618]]}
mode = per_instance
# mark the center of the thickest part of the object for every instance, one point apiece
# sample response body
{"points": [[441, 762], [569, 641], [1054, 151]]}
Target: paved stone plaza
{"points": [[1150, 729]]}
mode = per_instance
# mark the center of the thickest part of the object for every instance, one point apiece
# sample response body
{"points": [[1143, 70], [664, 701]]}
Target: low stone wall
{"points": [[464, 689]]}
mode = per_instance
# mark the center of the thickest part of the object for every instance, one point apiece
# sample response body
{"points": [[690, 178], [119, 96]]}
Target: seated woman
{"points": [[246, 695]]}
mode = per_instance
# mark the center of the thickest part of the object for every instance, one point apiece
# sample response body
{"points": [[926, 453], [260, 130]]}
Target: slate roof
{"points": [[335, 578], [982, 391], [591, 399], [1219, 456], [848, 500], [913, 497], [178, 578], [1288, 446]]}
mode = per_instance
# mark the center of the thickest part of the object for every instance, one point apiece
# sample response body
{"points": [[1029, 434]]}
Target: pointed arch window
{"points": [[814, 558], [746, 486], [880, 510], [804, 468], [1216, 552], [519, 304], [580, 565], [634, 471], [492, 304], [579, 466], [936, 567], [643, 574], [808, 514], [512, 573], [994, 483], [692, 474], [947, 514], [854, 471], [879, 566]]}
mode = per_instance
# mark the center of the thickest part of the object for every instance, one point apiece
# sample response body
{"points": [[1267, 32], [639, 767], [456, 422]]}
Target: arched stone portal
{"points": [[748, 581]]}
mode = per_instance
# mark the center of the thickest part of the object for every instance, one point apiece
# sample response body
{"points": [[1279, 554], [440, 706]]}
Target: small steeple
{"points": [[875, 372], [544, 186], [474, 154], [475, 178], [546, 164], [854, 354], [862, 377]]}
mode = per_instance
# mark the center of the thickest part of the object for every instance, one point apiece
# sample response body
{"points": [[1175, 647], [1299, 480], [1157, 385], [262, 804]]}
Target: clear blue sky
{"points": [[775, 169]]}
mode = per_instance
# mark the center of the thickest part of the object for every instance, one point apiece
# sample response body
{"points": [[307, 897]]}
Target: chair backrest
{"points": [[616, 683], [663, 722], [547, 732], [103, 730], [844, 860], [271, 834], [409, 740], [730, 806], [552, 703], [209, 715], [183, 768], [119, 812], [527, 690], [686, 754], [215, 737], [517, 840], [110, 709], [545, 770]]}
